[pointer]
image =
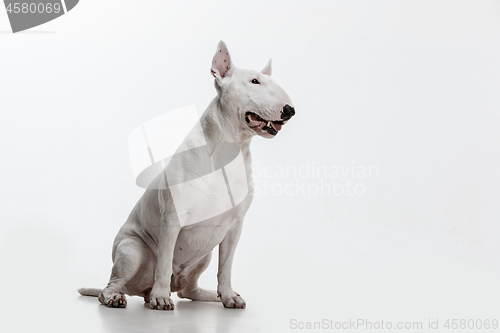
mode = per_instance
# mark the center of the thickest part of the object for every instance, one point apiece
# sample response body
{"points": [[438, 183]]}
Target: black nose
{"points": [[288, 112]]}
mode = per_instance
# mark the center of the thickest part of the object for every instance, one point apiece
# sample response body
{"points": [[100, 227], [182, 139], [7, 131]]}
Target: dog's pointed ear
{"points": [[222, 66], [268, 69]]}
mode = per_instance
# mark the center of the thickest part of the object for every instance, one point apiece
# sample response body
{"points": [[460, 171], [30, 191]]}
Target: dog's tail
{"points": [[90, 292]]}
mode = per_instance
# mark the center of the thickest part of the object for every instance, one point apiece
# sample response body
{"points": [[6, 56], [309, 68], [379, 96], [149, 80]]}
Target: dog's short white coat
{"points": [[152, 254]]}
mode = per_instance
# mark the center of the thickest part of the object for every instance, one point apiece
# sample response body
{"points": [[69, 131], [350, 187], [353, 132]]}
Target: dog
{"points": [[159, 250]]}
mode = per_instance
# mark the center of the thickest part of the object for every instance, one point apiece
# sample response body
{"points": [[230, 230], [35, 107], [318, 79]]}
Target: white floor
{"points": [[187, 317], [290, 275], [280, 299], [294, 271]]}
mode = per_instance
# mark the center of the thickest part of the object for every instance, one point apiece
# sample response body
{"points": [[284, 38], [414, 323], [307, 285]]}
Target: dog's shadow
{"points": [[188, 316]]}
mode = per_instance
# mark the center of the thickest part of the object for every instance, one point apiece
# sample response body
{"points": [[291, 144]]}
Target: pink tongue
{"points": [[276, 126]]}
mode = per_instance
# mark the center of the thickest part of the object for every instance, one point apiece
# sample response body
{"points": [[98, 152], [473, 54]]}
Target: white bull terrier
{"points": [[158, 251]]}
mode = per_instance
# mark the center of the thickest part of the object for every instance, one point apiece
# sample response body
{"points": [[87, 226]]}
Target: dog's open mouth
{"points": [[259, 124]]}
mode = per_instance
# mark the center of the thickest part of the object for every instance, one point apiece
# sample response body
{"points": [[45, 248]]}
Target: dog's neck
{"points": [[219, 126]]}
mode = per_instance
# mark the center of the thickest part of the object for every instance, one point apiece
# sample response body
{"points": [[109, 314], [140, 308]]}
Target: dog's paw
{"points": [[113, 299], [233, 302], [158, 302]]}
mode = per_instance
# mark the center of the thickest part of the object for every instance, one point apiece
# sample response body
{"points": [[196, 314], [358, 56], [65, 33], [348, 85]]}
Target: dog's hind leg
{"points": [[129, 256], [191, 290]]}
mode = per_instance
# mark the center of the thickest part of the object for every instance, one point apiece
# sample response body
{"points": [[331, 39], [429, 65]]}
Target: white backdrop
{"points": [[407, 91]]}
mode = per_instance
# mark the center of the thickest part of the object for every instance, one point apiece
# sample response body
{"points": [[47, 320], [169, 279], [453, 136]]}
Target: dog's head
{"points": [[252, 99]]}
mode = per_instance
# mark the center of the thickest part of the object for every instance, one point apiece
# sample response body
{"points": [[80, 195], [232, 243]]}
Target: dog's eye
{"points": [[255, 81]]}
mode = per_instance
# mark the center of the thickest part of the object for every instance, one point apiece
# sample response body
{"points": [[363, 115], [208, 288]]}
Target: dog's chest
{"points": [[196, 240], [207, 183]]}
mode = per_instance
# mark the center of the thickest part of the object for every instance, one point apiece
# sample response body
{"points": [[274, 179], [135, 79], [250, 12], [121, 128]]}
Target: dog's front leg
{"points": [[229, 298], [160, 294]]}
